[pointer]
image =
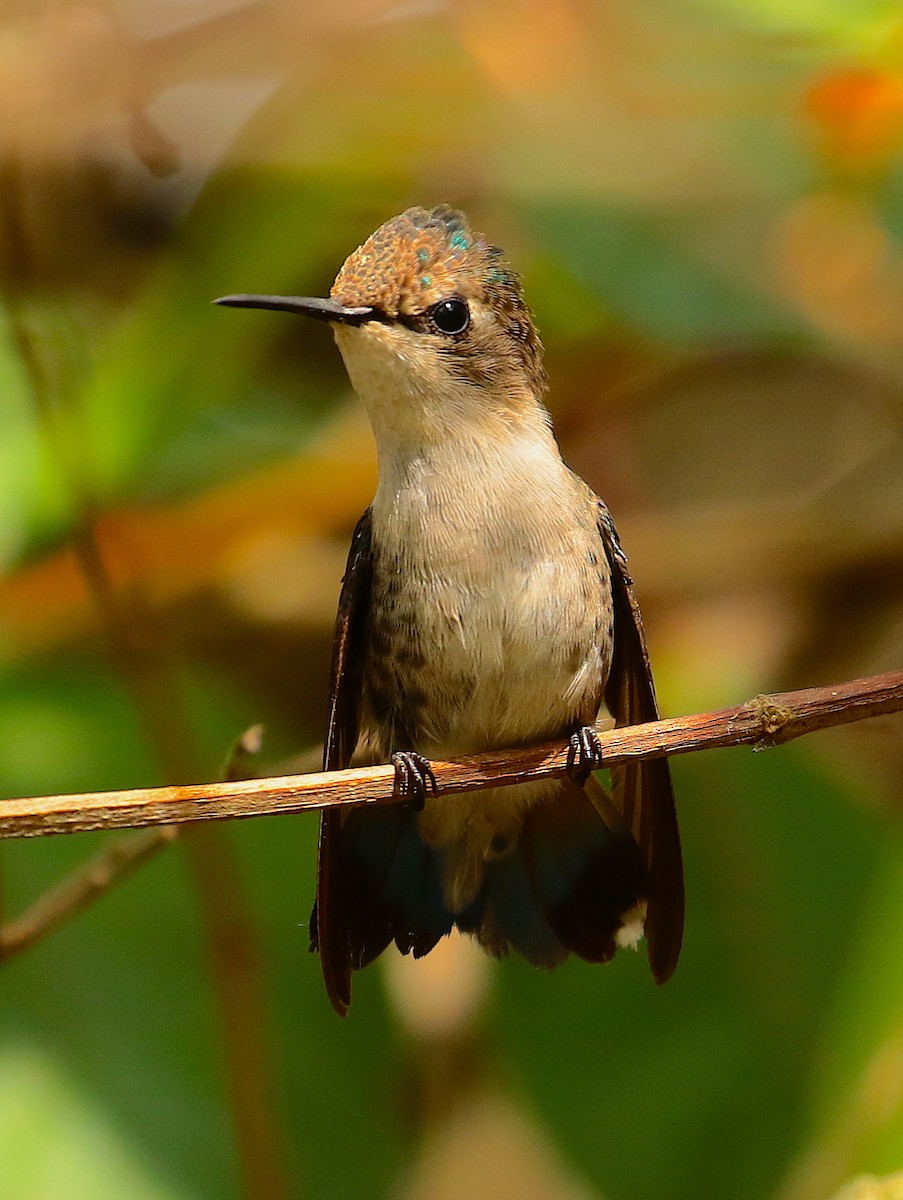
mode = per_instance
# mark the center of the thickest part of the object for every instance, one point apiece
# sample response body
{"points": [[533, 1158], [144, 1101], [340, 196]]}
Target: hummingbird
{"points": [[486, 604]]}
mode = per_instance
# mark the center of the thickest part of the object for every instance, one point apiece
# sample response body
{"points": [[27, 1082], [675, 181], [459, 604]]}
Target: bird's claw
{"points": [[584, 754], [413, 778]]}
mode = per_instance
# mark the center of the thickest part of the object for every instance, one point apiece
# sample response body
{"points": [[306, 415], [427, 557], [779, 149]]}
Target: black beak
{"points": [[307, 306]]}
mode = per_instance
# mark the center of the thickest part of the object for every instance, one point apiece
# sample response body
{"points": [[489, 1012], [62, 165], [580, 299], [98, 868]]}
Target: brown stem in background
{"points": [[143, 671], [762, 722], [236, 971]]}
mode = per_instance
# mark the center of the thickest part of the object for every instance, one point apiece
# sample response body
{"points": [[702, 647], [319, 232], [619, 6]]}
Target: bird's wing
{"points": [[642, 791], [348, 651], [329, 927]]}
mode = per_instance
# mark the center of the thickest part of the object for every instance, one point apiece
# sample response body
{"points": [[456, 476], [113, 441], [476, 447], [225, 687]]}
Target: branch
{"points": [[763, 721]]}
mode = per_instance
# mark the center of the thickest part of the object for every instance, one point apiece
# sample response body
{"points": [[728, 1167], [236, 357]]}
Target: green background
{"points": [[706, 203]]}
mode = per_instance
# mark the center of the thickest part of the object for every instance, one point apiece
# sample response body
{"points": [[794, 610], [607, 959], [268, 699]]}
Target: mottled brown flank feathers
{"points": [[427, 255]]}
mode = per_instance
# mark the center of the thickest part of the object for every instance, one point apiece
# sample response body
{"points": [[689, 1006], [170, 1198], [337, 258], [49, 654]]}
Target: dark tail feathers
{"points": [[563, 887]]}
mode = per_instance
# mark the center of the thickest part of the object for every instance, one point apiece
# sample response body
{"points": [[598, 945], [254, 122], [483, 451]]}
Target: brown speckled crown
{"points": [[427, 255]]}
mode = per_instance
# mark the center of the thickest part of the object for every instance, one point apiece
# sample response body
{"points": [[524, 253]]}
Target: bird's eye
{"points": [[450, 316]]}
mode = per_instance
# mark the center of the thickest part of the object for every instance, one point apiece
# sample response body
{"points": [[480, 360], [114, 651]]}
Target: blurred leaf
{"points": [[34, 502], [843, 19], [857, 1097], [641, 269], [53, 1141]]}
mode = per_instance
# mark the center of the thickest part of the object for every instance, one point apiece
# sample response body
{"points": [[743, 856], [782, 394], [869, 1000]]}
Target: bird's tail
{"points": [[569, 882], [573, 879]]}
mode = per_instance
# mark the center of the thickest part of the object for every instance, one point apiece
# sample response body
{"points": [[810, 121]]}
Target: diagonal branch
{"points": [[763, 721]]}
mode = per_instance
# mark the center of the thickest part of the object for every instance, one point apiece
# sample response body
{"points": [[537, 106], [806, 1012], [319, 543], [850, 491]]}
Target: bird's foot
{"points": [[584, 754], [413, 778]]}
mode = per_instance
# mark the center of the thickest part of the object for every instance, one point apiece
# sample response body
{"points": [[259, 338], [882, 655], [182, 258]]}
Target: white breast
{"points": [[509, 598]]}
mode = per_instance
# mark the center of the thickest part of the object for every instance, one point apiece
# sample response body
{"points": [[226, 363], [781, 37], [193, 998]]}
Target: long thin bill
{"points": [[306, 306]]}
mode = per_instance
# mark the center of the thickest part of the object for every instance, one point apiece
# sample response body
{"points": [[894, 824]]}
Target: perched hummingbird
{"points": [[486, 604]]}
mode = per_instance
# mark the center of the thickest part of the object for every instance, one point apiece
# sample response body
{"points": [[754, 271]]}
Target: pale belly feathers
{"points": [[490, 626]]}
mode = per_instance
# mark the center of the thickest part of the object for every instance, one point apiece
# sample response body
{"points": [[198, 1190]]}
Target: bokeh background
{"points": [[705, 198]]}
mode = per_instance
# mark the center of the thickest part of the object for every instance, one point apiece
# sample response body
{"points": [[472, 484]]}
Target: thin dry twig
{"points": [[763, 721]]}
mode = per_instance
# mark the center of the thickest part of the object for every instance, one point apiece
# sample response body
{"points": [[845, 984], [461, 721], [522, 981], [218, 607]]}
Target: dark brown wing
{"points": [[347, 650], [329, 923], [642, 791]]}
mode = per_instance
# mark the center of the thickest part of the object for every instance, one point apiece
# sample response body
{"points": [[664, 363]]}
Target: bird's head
{"points": [[432, 325]]}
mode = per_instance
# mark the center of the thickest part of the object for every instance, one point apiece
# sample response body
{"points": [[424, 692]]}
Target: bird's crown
{"points": [[425, 256]]}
